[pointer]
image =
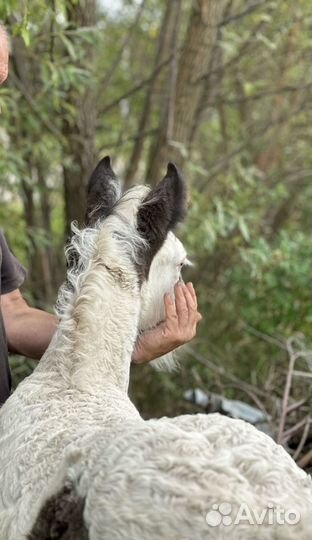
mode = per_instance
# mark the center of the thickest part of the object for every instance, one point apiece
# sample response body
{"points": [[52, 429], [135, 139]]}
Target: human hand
{"points": [[179, 326]]}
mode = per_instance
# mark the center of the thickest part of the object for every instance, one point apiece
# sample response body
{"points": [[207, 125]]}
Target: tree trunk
{"points": [[166, 44], [52, 272], [37, 220], [212, 81], [34, 253], [193, 65], [80, 132]]}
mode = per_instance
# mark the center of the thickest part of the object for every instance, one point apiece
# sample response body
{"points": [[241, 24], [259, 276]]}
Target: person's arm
{"points": [[28, 330], [178, 328]]}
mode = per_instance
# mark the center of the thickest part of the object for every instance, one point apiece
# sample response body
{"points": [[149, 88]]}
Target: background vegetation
{"points": [[221, 87]]}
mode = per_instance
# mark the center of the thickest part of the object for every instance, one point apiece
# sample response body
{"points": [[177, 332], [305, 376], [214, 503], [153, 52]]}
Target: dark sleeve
{"points": [[12, 273]]}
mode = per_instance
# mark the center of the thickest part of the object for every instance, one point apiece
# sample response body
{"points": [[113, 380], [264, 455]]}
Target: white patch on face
{"points": [[164, 273]]}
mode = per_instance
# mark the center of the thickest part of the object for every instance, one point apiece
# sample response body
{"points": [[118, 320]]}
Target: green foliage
{"points": [[276, 297]]}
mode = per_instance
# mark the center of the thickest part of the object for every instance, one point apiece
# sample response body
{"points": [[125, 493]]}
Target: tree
{"points": [[79, 128], [176, 124], [165, 58]]}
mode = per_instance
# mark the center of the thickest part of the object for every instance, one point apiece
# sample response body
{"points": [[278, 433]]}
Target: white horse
{"points": [[77, 460]]}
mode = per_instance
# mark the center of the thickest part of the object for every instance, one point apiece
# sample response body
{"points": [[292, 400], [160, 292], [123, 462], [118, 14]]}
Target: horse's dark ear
{"points": [[61, 517], [160, 212], [102, 193]]}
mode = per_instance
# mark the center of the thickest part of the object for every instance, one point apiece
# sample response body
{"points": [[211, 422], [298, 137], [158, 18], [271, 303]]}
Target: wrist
{"points": [[149, 345], [141, 353]]}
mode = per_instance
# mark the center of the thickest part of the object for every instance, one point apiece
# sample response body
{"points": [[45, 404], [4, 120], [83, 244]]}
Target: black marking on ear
{"points": [[177, 191], [61, 517], [102, 192], [159, 213]]}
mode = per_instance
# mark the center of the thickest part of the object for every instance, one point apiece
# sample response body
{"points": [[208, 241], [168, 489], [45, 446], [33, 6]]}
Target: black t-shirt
{"points": [[12, 275]]}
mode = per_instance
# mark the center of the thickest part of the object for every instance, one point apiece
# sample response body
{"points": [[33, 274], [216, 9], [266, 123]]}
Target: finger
{"points": [[193, 322], [191, 303], [190, 287], [170, 307], [181, 304], [194, 315], [198, 317]]}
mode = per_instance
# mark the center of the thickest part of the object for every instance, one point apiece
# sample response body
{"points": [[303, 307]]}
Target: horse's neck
{"points": [[94, 342]]}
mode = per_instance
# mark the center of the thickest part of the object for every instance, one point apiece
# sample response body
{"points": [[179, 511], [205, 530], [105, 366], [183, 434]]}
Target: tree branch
{"points": [[223, 163], [137, 87], [260, 95], [124, 44], [243, 13], [50, 127]]}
